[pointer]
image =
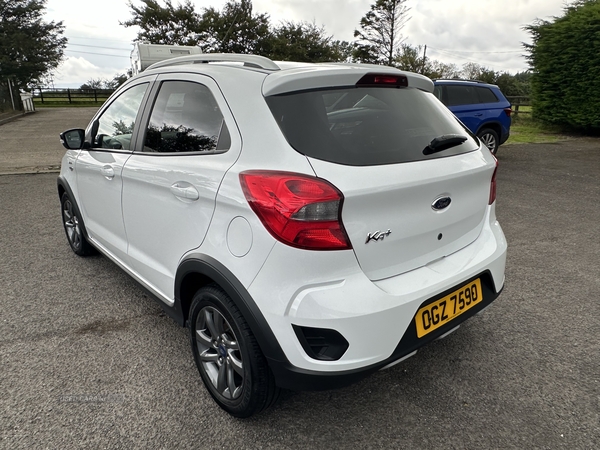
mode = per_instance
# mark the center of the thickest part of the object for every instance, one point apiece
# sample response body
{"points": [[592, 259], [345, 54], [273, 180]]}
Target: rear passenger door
{"points": [[473, 105], [463, 101], [189, 140]]}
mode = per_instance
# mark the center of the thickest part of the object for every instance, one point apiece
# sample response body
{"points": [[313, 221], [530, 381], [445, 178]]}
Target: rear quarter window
{"points": [[367, 125], [486, 95]]}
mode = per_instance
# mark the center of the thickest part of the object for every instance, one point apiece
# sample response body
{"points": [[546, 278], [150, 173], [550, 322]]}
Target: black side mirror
{"points": [[73, 139]]}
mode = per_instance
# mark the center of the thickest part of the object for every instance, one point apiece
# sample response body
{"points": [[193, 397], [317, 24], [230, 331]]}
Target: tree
{"points": [[94, 83], [119, 79], [411, 59], [30, 48], [235, 29], [438, 70], [305, 42], [565, 60], [104, 83], [379, 36], [167, 25], [474, 71]]}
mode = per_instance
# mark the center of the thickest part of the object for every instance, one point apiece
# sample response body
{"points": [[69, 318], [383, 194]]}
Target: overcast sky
{"points": [[487, 32]]}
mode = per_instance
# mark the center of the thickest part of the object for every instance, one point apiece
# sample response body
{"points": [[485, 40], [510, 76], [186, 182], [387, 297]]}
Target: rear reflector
{"points": [[383, 80], [493, 184], [298, 210]]}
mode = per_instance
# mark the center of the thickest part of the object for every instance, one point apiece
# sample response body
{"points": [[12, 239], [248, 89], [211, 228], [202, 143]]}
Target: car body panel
{"points": [[373, 316], [181, 189], [397, 199], [101, 172]]}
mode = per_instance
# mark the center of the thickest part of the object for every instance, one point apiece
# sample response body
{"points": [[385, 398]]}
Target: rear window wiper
{"points": [[444, 142]]}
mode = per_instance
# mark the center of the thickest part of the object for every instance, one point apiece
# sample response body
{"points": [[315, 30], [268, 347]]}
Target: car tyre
{"points": [[227, 355], [490, 138], [74, 228]]}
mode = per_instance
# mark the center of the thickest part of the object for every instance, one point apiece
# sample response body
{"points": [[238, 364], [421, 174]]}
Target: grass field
{"points": [[525, 130]]}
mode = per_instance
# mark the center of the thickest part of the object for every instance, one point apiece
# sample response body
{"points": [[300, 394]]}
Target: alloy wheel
{"points": [[219, 353], [71, 223], [490, 141]]}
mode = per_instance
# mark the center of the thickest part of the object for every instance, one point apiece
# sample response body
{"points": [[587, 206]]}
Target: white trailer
{"points": [[144, 55]]}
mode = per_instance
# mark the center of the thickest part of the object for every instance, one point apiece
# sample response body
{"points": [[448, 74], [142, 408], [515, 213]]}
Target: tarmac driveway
{"points": [[89, 361], [30, 143]]}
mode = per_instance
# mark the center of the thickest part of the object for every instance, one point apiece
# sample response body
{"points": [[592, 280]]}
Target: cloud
{"points": [[340, 17], [75, 71], [456, 31], [451, 30]]}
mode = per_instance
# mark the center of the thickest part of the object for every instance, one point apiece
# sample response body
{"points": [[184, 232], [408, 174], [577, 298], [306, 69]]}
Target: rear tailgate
{"points": [[389, 215], [415, 181]]}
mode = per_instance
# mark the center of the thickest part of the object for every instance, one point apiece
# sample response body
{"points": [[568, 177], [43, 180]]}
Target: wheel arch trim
{"points": [[64, 187], [494, 125], [210, 270]]}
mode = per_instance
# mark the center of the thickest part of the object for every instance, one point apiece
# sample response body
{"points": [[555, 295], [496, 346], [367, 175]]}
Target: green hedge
{"points": [[565, 58]]}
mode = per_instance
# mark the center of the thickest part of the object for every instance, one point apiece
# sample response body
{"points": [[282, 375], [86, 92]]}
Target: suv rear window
{"points": [[366, 126]]}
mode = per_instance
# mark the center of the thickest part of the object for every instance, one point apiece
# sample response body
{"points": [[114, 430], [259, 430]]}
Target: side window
{"points": [[486, 95], [116, 123], [186, 118], [461, 95]]}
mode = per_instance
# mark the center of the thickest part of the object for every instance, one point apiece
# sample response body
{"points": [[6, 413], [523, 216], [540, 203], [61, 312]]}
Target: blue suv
{"points": [[480, 106]]}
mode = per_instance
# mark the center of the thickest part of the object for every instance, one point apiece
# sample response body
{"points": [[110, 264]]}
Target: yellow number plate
{"points": [[439, 313]]}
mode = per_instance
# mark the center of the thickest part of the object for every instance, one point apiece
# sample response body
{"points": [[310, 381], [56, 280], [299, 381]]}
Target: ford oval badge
{"points": [[441, 203]]}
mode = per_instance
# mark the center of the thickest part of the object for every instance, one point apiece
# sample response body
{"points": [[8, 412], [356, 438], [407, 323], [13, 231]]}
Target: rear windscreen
{"points": [[364, 126]]}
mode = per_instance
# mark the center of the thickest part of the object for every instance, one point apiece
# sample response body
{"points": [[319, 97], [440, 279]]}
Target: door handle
{"points": [[184, 190], [108, 172]]}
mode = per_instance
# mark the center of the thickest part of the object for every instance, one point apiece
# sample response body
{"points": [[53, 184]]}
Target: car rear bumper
{"points": [[290, 377], [376, 318]]}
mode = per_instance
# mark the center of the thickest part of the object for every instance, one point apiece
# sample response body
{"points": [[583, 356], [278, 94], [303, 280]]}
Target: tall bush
{"points": [[565, 60]]}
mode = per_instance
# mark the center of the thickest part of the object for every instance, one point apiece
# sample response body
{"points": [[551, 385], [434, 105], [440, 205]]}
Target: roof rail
{"points": [[461, 79], [365, 65], [259, 62]]}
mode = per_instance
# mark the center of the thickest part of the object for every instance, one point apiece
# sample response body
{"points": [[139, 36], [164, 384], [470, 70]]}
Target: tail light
{"points": [[376, 80], [493, 184], [298, 210], [508, 111]]}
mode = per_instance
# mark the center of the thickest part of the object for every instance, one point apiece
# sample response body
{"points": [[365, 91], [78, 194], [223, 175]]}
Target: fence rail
{"points": [[49, 97], [520, 104]]}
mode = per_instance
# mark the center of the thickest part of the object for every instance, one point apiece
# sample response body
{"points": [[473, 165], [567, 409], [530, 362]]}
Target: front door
{"points": [[99, 170]]}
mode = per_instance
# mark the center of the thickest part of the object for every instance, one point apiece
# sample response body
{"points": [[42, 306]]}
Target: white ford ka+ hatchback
{"points": [[309, 223]]}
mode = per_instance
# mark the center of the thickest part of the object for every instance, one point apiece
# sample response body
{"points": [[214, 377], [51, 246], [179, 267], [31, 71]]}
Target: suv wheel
{"points": [[490, 138], [228, 357], [74, 227]]}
